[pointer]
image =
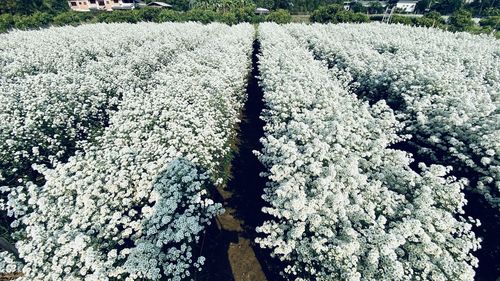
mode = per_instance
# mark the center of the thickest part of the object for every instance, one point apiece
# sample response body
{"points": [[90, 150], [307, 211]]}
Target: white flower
{"points": [[345, 205], [151, 114]]}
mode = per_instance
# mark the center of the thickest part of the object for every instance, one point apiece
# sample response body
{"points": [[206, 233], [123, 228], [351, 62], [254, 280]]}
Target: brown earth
{"points": [[229, 244]]}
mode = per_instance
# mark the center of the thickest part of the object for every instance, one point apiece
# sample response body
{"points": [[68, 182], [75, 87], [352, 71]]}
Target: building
{"points": [[261, 11], [407, 6], [162, 5], [103, 5]]}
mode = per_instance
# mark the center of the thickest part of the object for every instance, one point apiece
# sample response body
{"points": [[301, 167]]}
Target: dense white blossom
{"points": [[133, 202], [58, 86], [9, 263], [446, 85], [345, 206]]}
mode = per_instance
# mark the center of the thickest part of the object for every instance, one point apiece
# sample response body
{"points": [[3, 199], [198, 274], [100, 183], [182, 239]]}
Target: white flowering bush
{"points": [[9, 264], [58, 86], [445, 86], [132, 204], [344, 205]]}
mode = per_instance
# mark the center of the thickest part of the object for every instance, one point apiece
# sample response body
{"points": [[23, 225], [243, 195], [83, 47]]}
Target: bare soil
{"points": [[229, 244]]}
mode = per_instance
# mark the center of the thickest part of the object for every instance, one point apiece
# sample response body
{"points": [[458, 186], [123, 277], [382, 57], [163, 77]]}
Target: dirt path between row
{"points": [[228, 246]]}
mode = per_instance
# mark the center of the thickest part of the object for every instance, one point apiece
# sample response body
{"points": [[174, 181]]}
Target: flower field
{"points": [[379, 144], [447, 93], [347, 206], [141, 183]]}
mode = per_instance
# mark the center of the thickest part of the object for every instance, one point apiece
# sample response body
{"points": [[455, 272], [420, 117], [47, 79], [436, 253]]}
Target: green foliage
{"points": [[279, 16], [447, 7], [223, 6], [55, 6], [179, 5], [474, 29], [492, 22], [21, 7], [422, 5], [435, 16], [376, 17], [229, 18], [490, 12], [359, 8], [402, 20], [238, 11], [247, 14], [481, 8], [116, 16], [36, 20], [200, 15], [376, 8], [6, 22], [28, 7], [432, 19], [71, 18], [461, 20], [168, 16], [336, 13], [237, 15], [278, 4], [148, 14]]}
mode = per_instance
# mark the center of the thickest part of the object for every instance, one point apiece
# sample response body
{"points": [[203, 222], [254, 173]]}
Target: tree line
{"points": [[27, 14]]}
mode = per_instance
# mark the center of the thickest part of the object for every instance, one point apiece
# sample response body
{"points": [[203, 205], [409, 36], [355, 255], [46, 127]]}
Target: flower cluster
{"points": [[133, 202], [59, 86], [445, 86], [345, 205]]}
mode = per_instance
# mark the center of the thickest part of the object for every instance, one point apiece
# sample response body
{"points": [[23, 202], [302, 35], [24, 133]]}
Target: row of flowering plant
{"points": [[133, 203], [59, 86], [444, 86], [345, 206]]}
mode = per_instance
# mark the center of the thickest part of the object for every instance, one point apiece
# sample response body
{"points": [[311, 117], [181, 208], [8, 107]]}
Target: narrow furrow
{"points": [[229, 245]]}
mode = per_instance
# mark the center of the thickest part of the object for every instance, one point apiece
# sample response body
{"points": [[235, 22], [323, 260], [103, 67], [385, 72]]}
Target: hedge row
{"points": [[41, 19]]}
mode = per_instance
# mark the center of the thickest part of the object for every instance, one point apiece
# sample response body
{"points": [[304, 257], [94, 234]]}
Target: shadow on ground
{"points": [[229, 247]]}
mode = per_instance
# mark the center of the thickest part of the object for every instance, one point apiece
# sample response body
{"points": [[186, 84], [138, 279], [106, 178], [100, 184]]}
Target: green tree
{"points": [[36, 20], [247, 14], [423, 5], [201, 15], [483, 7], [358, 8], [178, 5], [26, 7], [169, 16], [220, 5], [447, 7], [327, 14], [7, 6], [6, 22], [116, 16], [492, 12], [492, 22], [148, 14], [269, 4], [431, 19], [402, 20], [71, 18], [336, 13], [283, 4], [461, 20], [375, 8], [279, 16], [55, 6]]}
